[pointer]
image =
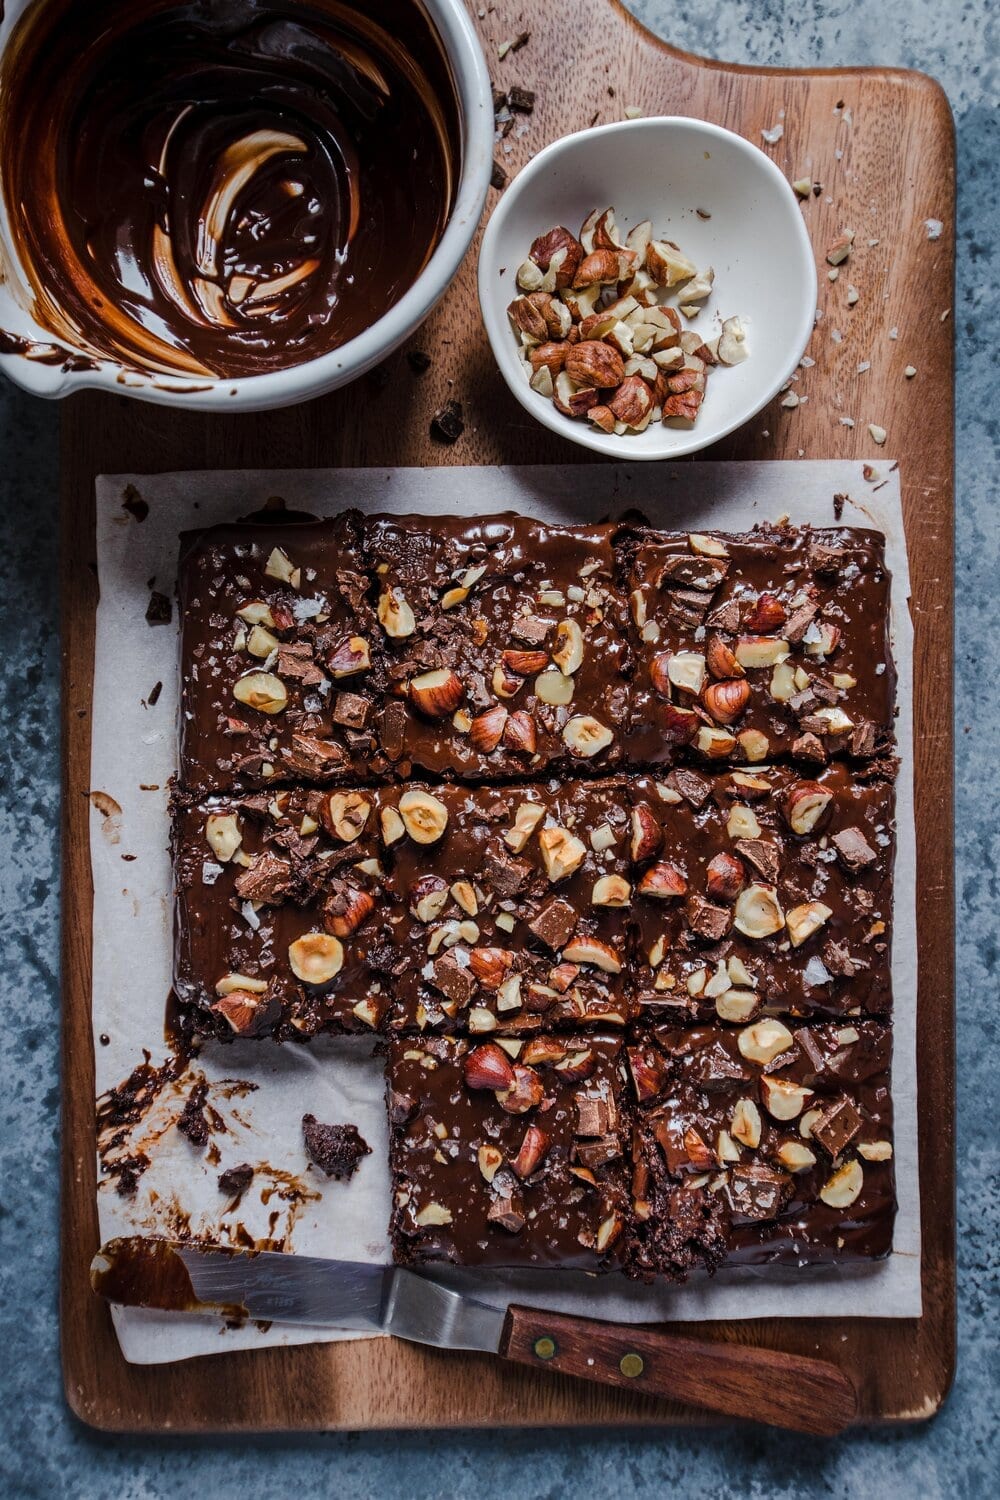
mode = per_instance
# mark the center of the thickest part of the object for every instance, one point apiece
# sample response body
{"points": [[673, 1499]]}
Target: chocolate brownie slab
{"points": [[759, 891], [766, 1144], [774, 643], [507, 645], [279, 655], [277, 903], [509, 1152], [509, 907]]}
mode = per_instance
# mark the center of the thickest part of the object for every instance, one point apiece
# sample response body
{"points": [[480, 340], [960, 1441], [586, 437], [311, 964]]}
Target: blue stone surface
{"points": [[43, 1451]]}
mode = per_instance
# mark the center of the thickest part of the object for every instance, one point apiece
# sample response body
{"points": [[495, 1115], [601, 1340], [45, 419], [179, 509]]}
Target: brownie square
{"points": [[509, 1152], [277, 911], [759, 891], [506, 641], [514, 914], [765, 1144], [765, 645], [280, 659]]}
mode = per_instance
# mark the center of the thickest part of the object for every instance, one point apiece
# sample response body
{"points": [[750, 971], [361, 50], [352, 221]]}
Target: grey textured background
{"points": [[44, 1451]]}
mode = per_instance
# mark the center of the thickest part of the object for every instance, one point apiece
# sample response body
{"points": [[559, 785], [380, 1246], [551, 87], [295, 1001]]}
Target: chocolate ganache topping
{"points": [[224, 187]]}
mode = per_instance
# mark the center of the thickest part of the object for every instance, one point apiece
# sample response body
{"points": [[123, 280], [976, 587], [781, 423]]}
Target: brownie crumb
{"points": [[158, 610], [498, 177], [336, 1149], [447, 425], [193, 1121], [234, 1181], [418, 361], [838, 506], [522, 100], [153, 696]]}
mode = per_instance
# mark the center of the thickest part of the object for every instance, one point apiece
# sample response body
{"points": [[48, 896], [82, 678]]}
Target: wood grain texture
{"points": [[895, 134], [734, 1380]]}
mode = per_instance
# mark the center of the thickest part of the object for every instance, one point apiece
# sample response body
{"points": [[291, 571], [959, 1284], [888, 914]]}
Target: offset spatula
{"points": [[762, 1385]]}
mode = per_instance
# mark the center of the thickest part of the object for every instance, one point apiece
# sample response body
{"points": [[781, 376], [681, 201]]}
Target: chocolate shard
{"points": [[596, 1114], [854, 849], [838, 1125], [757, 1192], [841, 962], [505, 876], [266, 880], [351, 710], [693, 788], [555, 923], [452, 980], [764, 856], [235, 1180], [688, 570], [706, 919]]}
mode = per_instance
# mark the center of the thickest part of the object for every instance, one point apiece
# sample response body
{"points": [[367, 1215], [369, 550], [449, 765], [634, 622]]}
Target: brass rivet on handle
{"points": [[545, 1347], [631, 1365]]}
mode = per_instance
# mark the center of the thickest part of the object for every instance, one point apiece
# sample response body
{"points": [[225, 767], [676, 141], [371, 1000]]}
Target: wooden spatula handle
{"points": [[761, 1385]]}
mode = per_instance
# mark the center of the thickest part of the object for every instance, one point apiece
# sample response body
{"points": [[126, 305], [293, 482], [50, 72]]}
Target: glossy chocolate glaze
{"points": [[439, 1125], [224, 189], [677, 1146], [226, 743], [510, 948], [681, 601], [842, 968]]}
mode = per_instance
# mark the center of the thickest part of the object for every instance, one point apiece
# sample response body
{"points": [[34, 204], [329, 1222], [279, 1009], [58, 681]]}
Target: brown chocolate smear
{"points": [[224, 189]]}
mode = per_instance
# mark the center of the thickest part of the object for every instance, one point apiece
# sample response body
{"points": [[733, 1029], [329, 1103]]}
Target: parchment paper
{"points": [[133, 757]]}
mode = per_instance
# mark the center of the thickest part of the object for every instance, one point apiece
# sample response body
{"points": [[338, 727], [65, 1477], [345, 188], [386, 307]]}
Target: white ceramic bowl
{"points": [[665, 170], [313, 378]]}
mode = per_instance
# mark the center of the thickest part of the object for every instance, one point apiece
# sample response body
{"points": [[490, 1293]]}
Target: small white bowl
{"points": [[666, 169], [302, 382]]}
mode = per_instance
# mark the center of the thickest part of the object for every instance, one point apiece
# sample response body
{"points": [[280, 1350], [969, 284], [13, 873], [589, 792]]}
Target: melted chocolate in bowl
{"points": [[223, 188]]}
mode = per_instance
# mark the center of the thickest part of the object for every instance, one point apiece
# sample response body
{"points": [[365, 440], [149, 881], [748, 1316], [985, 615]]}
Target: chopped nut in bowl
{"points": [[652, 328]]}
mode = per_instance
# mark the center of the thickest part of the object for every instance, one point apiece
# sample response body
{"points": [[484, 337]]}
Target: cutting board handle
{"points": [[761, 1385]]}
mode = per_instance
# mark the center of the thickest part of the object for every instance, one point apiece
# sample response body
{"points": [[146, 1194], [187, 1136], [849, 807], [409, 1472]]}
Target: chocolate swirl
{"points": [[223, 187]]}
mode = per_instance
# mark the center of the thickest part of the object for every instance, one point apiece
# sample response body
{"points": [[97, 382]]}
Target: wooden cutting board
{"points": [[881, 143]]}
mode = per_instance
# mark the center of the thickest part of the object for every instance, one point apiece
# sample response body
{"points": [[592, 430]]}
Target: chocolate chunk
{"points": [[757, 1192], [826, 562], [764, 856], [505, 876], [863, 740], [235, 1180], [691, 571], [153, 696], [447, 425], [555, 923], [313, 757], [837, 1126], [498, 176], [266, 880], [808, 747], [392, 729], [596, 1114], [854, 849], [351, 710], [507, 1209], [692, 787], [715, 1067], [686, 607], [295, 659], [521, 100], [530, 630], [798, 623], [840, 962], [726, 618], [402, 1107], [336, 1149], [597, 1152], [159, 610], [452, 980], [707, 920]]}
